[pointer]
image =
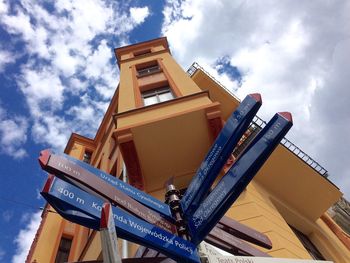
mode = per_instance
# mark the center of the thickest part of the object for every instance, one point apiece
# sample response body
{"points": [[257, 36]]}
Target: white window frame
{"points": [[155, 93]]}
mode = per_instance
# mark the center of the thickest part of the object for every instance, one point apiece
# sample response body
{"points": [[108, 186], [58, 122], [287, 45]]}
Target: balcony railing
{"points": [[195, 66], [261, 123]]}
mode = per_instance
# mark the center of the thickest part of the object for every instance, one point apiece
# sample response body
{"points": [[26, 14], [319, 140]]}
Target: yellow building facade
{"points": [[159, 125]]}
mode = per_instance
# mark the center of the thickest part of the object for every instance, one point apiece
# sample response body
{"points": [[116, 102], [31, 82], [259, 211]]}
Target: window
{"points": [[147, 68], [309, 246], [155, 96], [63, 250], [142, 52], [87, 157]]}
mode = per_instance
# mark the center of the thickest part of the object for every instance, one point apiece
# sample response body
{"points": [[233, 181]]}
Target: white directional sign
{"points": [[237, 259]]}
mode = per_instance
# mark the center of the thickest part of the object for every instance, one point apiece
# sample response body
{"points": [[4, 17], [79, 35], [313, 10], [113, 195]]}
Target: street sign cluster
{"points": [[78, 192], [85, 209]]}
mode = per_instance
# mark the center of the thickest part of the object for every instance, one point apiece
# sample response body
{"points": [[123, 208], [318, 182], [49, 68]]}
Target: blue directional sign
{"points": [[212, 209], [126, 188], [217, 156], [82, 208]]}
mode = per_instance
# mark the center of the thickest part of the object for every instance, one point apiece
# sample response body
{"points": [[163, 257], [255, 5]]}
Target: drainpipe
{"points": [[125, 250]]}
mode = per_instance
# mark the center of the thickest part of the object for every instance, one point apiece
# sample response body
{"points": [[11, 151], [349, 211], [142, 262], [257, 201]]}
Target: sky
{"points": [[58, 73]]}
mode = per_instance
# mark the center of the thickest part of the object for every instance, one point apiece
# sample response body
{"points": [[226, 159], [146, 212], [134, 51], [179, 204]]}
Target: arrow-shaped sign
{"points": [[244, 232], [217, 156], [238, 177], [71, 170], [233, 242], [82, 208], [126, 188]]}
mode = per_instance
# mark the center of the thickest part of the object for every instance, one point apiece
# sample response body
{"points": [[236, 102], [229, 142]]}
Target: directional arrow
{"points": [[73, 172], [233, 242], [126, 188], [212, 209], [217, 156], [83, 208], [244, 232]]}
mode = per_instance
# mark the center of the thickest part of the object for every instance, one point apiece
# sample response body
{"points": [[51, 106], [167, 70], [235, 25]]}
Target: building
{"points": [[340, 212], [159, 125]]}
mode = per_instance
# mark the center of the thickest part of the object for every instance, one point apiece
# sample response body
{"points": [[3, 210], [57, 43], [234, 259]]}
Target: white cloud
{"points": [[76, 85], [83, 112], [5, 58], [52, 130], [13, 134], [42, 86], [63, 60], [87, 20], [19, 24], [330, 109], [70, 74], [98, 59], [288, 51], [25, 238], [139, 14], [3, 6]]}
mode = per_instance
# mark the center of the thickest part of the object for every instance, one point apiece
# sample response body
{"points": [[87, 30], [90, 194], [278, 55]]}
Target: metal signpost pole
{"points": [[173, 199], [108, 234]]}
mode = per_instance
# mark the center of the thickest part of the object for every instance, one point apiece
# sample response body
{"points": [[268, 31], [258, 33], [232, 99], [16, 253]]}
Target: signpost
{"points": [[79, 193], [88, 172], [234, 243], [238, 177], [108, 234], [80, 207], [69, 171], [222, 245], [217, 156], [239, 230], [238, 259], [207, 249]]}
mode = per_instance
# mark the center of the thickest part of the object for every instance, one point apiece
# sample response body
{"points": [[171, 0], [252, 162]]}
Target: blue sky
{"points": [[58, 73]]}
